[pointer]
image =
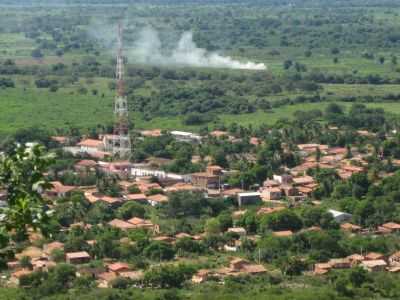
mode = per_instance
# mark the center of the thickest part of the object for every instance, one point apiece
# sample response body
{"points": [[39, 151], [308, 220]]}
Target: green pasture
{"points": [[27, 106]]}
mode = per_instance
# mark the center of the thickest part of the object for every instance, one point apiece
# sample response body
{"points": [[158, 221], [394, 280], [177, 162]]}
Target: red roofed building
{"points": [[393, 227], [59, 190], [214, 170], [118, 267], [86, 165], [81, 257], [303, 180], [337, 151], [355, 259], [374, 265], [136, 197], [374, 256], [91, 145], [62, 140], [121, 224], [151, 133], [110, 200], [311, 148], [183, 235], [350, 227], [157, 199], [145, 224], [352, 169], [218, 133], [322, 268], [284, 233]]}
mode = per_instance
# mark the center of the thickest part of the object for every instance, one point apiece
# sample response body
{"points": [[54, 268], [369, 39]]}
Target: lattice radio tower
{"points": [[121, 138]]}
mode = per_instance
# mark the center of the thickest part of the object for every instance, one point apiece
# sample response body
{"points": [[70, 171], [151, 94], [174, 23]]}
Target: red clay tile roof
{"points": [[58, 187], [90, 143], [374, 256], [110, 200], [284, 233], [138, 221], [59, 139], [303, 180], [374, 263], [20, 273], [86, 163], [136, 197], [121, 224], [118, 266], [160, 198], [391, 226], [182, 235], [349, 226]]}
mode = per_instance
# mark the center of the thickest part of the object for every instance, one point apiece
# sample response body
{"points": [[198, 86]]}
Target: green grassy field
{"points": [[258, 118], [27, 106]]}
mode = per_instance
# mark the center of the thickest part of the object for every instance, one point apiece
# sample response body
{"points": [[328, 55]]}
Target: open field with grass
{"points": [[28, 106], [259, 118]]}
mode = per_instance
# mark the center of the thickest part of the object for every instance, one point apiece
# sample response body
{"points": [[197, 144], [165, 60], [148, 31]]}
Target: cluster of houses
{"points": [[137, 184], [293, 185], [42, 260], [237, 267], [387, 228], [337, 158], [371, 262]]}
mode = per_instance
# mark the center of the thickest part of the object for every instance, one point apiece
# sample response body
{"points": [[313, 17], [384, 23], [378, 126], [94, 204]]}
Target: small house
{"points": [[76, 258], [392, 227], [248, 198], [118, 267], [350, 227], [374, 256], [339, 216], [374, 265], [238, 230]]}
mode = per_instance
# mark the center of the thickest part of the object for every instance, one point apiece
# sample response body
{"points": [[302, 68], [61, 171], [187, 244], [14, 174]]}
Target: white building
{"points": [[184, 136], [144, 172], [340, 216], [248, 198]]}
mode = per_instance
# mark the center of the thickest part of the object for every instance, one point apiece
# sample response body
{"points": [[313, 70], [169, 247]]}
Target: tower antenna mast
{"points": [[121, 138]]}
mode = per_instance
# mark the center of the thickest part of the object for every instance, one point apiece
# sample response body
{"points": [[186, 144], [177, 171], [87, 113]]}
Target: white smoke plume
{"points": [[147, 49]]}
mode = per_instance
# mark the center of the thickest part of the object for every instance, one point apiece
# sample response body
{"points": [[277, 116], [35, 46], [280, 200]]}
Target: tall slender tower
{"points": [[121, 139]]}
